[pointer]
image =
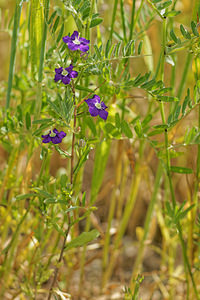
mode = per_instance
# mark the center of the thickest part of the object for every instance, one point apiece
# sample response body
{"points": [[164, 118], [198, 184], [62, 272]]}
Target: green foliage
{"points": [[83, 239], [49, 191]]}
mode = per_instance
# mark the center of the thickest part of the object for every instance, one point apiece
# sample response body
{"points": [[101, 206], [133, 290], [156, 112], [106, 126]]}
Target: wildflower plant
{"points": [[74, 94]]}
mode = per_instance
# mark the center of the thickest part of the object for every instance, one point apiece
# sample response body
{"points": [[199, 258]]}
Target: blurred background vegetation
{"points": [[162, 265]]}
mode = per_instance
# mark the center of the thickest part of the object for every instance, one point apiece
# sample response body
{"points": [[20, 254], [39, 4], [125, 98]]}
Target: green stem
{"points": [[43, 43], [123, 20], [44, 162], [183, 79], [17, 15], [113, 19], [179, 229], [132, 19]]}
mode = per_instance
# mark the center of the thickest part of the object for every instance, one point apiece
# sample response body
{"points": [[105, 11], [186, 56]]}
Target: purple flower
{"points": [[97, 108], [65, 78], [76, 43], [55, 137]]}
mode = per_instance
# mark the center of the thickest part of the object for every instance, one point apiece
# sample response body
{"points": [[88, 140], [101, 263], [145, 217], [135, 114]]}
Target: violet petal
{"points": [[58, 77], [66, 39], [93, 111], [66, 79], [47, 139], [84, 41], [61, 134], [103, 105], [96, 98], [103, 114], [74, 35], [90, 102], [59, 70], [73, 46], [84, 48], [56, 139], [69, 69], [73, 74]]}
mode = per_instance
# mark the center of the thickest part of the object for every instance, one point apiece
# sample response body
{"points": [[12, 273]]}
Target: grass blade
{"points": [[17, 15]]}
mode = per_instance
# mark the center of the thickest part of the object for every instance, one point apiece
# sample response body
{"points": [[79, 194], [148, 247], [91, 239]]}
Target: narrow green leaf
{"points": [[177, 112], [146, 120], [36, 30], [83, 239], [97, 52], [194, 28], [126, 129], [82, 159], [17, 15], [185, 32], [140, 47], [41, 121], [83, 199], [117, 49], [173, 36], [155, 132], [109, 127], [25, 196], [60, 34], [185, 102], [28, 121], [138, 129], [171, 13], [117, 120], [148, 85], [107, 49], [83, 88], [181, 170], [95, 22], [167, 99], [55, 24], [52, 17], [43, 193]]}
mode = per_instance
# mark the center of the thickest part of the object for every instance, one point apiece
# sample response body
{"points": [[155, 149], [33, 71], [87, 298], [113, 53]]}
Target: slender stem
{"points": [[43, 43], [59, 260], [179, 229], [132, 20], [44, 162], [123, 19], [71, 180], [73, 134], [17, 15], [183, 79], [113, 19], [155, 9]]}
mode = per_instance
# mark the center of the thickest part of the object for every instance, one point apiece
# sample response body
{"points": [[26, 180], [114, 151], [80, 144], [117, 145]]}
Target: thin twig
{"points": [[73, 134], [69, 224], [59, 260]]}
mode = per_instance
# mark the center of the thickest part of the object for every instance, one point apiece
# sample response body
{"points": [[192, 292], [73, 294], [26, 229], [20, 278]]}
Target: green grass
{"points": [[136, 174]]}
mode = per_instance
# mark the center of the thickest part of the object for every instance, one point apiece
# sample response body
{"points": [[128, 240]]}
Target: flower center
{"points": [[52, 134], [98, 105], [65, 73], [76, 41]]}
